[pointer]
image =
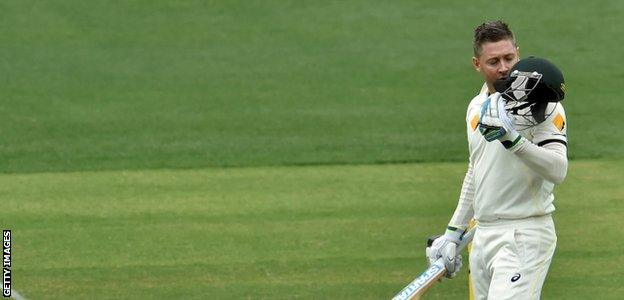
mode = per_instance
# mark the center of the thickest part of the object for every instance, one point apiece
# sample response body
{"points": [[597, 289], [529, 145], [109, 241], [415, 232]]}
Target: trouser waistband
{"points": [[512, 222]]}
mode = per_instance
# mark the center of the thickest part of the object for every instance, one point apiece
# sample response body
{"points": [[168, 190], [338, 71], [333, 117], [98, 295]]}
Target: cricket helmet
{"points": [[531, 91]]}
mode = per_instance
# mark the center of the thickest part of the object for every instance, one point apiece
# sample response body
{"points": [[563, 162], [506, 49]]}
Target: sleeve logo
{"points": [[559, 122], [474, 122]]}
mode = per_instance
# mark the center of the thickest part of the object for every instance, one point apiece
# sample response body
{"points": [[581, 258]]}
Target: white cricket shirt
{"points": [[504, 186]]}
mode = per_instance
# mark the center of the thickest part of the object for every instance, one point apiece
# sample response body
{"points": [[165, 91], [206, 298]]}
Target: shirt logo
{"points": [[516, 277]]}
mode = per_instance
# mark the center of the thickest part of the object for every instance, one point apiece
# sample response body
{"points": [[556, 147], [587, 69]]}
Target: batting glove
{"points": [[446, 247], [495, 123]]}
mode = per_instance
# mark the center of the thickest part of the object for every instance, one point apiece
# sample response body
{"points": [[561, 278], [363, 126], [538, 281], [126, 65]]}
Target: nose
{"points": [[505, 66]]}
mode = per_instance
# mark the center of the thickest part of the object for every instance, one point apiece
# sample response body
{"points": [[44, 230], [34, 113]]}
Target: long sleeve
{"points": [[464, 211], [547, 152], [549, 161]]}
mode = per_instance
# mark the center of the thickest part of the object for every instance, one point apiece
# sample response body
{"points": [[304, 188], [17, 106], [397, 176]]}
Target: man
{"points": [[518, 151]]}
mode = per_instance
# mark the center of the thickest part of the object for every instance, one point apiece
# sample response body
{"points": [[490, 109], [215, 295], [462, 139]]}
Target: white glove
{"points": [[446, 247], [495, 123]]}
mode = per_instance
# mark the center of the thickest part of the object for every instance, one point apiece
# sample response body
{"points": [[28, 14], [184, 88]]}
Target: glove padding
{"points": [[446, 247], [495, 124]]}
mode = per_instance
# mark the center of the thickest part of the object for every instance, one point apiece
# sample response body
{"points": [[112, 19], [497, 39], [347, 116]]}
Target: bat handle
{"points": [[466, 239]]}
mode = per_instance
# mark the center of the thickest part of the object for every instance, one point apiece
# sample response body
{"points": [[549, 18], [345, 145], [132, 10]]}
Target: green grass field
{"points": [[328, 232], [279, 149]]}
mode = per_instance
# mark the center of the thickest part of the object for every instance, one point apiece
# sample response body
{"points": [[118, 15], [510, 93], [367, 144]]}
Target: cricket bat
{"points": [[427, 279]]}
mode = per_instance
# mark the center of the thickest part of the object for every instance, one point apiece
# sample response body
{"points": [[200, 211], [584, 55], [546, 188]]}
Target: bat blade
{"points": [[415, 289]]}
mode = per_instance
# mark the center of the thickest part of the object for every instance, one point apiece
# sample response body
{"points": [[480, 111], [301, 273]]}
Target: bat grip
{"points": [[466, 238]]}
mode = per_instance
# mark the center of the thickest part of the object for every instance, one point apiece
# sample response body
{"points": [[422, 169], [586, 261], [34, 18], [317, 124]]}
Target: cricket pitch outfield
{"points": [[348, 232]]}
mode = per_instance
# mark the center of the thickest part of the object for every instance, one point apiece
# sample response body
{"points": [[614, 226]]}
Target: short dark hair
{"points": [[491, 31]]}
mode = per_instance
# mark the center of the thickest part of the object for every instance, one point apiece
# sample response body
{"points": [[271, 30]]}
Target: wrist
{"points": [[512, 140], [454, 234]]}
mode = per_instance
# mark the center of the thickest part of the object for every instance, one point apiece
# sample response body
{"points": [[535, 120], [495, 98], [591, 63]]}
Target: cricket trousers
{"points": [[510, 258]]}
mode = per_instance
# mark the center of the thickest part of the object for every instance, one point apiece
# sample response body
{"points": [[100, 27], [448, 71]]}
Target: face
{"points": [[495, 60]]}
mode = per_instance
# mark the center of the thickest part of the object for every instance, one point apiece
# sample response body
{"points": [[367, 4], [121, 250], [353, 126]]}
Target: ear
{"points": [[476, 64]]}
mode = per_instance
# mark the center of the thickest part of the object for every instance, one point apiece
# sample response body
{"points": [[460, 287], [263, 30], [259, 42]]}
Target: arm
{"points": [[464, 210], [547, 153], [446, 245], [549, 161], [548, 158]]}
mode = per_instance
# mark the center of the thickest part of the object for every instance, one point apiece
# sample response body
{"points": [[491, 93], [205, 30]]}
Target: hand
{"points": [[445, 247], [495, 123]]}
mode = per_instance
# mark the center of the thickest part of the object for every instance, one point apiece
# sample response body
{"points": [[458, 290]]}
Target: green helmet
{"points": [[533, 80], [530, 89]]}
